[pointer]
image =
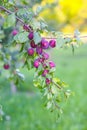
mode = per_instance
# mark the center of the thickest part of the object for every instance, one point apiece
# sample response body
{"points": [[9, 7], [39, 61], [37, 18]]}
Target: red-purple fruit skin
{"points": [[45, 72], [44, 44], [45, 55], [26, 27], [39, 50], [36, 63], [52, 43], [33, 45], [48, 81], [30, 51], [44, 65], [41, 60], [31, 35], [14, 32], [52, 64], [6, 66]]}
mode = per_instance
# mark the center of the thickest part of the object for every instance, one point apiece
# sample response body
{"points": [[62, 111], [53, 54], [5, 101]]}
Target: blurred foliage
{"points": [[67, 15], [23, 111], [15, 44], [14, 49], [63, 15]]}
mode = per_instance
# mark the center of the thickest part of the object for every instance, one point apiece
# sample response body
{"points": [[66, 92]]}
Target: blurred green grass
{"points": [[26, 111]]}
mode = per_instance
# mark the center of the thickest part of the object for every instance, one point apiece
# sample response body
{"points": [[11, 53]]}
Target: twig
{"points": [[56, 84], [21, 21], [10, 12], [65, 37]]}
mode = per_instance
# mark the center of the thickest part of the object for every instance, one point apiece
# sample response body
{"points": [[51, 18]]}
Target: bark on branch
{"points": [[10, 12]]}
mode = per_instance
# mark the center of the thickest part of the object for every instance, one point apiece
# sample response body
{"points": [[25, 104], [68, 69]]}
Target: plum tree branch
{"points": [[21, 21], [66, 36], [10, 12]]}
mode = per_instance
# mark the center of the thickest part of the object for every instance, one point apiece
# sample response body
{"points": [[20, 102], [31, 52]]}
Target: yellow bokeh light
{"points": [[70, 13]]}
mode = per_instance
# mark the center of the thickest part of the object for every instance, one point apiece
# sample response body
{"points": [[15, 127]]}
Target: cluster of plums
{"points": [[42, 56]]}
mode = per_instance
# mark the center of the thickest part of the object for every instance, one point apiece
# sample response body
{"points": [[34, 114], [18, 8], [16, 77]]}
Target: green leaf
{"points": [[11, 2], [36, 83], [43, 25], [49, 105], [77, 37], [26, 14], [57, 80], [67, 93], [20, 75], [21, 37], [35, 24], [49, 96], [76, 33], [2, 35], [29, 64], [67, 40], [37, 37], [60, 42], [10, 21], [38, 9], [52, 70]]}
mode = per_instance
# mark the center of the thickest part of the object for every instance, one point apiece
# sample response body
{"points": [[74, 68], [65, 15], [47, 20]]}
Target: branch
{"points": [[56, 85], [21, 21], [10, 12], [65, 37]]}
